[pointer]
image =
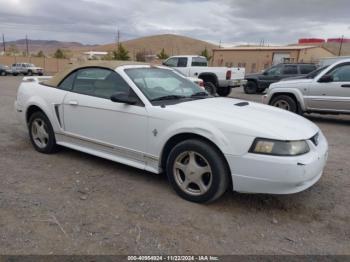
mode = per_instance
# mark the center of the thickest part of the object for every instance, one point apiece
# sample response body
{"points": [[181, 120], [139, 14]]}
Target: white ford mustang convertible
{"points": [[154, 119]]}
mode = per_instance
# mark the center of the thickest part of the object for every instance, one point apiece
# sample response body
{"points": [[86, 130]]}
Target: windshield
{"points": [[315, 73], [163, 84]]}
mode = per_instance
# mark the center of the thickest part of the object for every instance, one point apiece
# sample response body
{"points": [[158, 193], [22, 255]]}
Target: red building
{"points": [[311, 41]]}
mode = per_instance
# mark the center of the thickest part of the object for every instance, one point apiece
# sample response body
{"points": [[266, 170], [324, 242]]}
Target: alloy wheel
{"points": [[282, 104], [39, 133], [192, 173]]}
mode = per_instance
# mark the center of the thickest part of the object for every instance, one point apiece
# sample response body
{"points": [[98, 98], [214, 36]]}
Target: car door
{"points": [[270, 76], [289, 71], [90, 115], [334, 95]]}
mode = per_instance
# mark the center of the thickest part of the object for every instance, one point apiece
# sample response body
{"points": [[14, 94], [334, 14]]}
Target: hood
{"points": [[291, 82], [35, 67], [254, 119], [293, 78], [254, 75]]}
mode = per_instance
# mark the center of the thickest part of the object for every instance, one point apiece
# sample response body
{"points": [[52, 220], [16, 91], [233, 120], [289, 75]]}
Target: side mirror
{"points": [[123, 98], [164, 64], [326, 79]]}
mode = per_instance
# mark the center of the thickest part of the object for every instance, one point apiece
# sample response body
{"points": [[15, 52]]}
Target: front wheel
{"points": [[197, 171], [224, 91], [41, 133], [210, 88], [285, 102], [251, 87]]}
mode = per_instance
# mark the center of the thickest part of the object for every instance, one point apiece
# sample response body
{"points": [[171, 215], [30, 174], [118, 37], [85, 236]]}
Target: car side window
{"points": [[306, 69], [290, 70], [182, 62], [100, 82], [67, 83], [273, 71], [172, 62], [341, 73]]}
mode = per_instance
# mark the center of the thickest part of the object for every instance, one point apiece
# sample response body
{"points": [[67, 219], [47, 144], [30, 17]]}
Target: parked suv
{"points": [[257, 83], [4, 70], [325, 91], [26, 69]]}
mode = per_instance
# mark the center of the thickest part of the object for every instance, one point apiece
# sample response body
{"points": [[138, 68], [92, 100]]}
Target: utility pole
{"points": [[3, 43], [27, 47], [341, 44], [118, 37]]}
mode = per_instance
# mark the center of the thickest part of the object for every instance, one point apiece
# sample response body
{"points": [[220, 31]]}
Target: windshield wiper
{"points": [[169, 97], [200, 94]]}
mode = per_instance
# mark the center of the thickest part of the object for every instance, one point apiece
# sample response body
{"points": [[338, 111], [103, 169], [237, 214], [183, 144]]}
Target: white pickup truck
{"points": [[218, 80]]}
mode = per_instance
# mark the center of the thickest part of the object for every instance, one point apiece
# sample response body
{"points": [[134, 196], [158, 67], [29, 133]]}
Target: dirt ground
{"points": [[74, 203]]}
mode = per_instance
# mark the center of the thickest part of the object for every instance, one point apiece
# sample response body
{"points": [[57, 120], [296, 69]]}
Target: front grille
{"points": [[315, 139]]}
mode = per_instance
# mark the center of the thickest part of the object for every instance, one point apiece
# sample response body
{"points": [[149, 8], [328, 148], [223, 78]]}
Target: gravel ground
{"points": [[74, 203]]}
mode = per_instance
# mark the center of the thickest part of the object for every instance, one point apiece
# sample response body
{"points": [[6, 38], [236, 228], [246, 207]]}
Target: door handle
{"points": [[348, 85], [73, 102]]}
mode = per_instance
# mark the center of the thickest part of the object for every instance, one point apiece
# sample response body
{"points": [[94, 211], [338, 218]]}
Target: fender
{"points": [[208, 74], [39, 102], [294, 91], [199, 128]]}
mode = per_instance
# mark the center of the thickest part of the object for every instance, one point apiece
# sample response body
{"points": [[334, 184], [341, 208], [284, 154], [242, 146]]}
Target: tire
{"points": [[15, 74], [43, 140], [251, 87], [210, 88], [224, 91], [285, 102], [202, 186], [3, 73], [30, 73]]}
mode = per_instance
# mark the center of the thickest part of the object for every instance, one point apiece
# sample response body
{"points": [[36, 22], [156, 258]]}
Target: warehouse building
{"points": [[254, 59]]}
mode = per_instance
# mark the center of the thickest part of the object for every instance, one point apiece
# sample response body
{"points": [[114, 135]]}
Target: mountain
{"points": [[172, 44], [47, 46]]}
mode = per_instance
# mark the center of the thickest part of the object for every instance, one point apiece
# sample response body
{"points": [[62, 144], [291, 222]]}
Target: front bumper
{"points": [[255, 173]]}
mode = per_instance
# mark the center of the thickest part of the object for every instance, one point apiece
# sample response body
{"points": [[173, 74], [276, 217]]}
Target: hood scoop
{"points": [[241, 104]]}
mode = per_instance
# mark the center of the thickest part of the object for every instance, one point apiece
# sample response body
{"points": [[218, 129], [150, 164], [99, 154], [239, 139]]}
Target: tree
{"points": [[205, 53], [121, 53], [162, 55], [141, 56], [59, 54], [12, 50], [40, 54]]}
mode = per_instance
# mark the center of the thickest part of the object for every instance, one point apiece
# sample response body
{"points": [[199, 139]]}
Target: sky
{"points": [[228, 21]]}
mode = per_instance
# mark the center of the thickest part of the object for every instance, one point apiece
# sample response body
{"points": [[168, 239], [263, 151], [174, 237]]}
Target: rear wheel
{"points": [[210, 88], [285, 102], [197, 171], [30, 73], [224, 91], [251, 87], [41, 133], [3, 73]]}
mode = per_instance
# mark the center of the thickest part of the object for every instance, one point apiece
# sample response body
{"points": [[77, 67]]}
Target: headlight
{"points": [[279, 148]]}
